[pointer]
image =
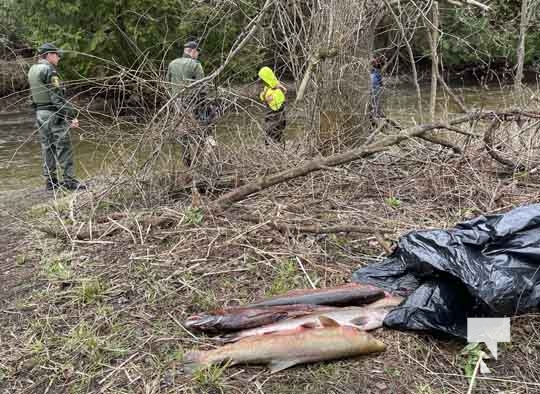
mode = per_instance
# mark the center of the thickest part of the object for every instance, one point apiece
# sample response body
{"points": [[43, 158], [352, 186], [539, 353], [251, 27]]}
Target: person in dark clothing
{"points": [[196, 109], [55, 116], [184, 70], [180, 73], [376, 88]]}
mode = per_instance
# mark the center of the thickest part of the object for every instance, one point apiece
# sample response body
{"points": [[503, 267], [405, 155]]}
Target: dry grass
{"points": [[103, 314]]}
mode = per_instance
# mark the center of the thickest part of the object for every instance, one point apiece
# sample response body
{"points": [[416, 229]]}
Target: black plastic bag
{"points": [[489, 266]]}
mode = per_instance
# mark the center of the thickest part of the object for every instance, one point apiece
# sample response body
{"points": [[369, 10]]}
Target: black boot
{"points": [[73, 184], [52, 183]]}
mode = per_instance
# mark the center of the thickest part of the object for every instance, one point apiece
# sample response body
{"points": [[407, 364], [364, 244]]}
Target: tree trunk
{"points": [[329, 44], [434, 41], [521, 44], [403, 31]]}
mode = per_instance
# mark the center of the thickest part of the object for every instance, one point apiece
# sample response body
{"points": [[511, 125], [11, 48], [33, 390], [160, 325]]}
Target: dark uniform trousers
{"points": [[55, 144], [274, 125]]}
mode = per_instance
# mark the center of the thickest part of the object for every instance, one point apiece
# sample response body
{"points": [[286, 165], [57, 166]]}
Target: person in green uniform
{"points": [[180, 73], [185, 69], [55, 116], [273, 95]]}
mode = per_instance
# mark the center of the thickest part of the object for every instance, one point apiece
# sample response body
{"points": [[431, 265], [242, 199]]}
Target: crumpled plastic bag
{"points": [[485, 267]]}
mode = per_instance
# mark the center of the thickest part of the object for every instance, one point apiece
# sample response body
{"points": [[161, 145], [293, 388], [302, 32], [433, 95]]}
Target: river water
{"points": [[20, 156], [20, 153]]}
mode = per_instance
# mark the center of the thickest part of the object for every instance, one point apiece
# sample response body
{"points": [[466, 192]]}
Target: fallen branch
{"points": [[226, 182], [87, 232], [430, 137], [460, 131], [488, 143], [441, 141], [265, 182], [317, 228]]}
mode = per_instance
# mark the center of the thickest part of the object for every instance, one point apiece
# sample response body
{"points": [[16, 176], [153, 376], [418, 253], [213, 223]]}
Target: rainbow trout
{"points": [[234, 319], [362, 318], [281, 351], [347, 295]]}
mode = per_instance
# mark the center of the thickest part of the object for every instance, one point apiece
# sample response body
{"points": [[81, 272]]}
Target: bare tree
{"points": [[329, 44], [434, 42], [407, 40], [521, 43]]}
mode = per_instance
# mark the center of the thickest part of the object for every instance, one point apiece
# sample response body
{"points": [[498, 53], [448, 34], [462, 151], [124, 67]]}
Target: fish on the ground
{"points": [[362, 318], [352, 294], [234, 319], [298, 346]]}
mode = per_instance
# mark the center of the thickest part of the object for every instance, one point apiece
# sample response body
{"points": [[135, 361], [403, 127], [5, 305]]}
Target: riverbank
{"points": [[16, 272], [96, 284], [103, 140]]}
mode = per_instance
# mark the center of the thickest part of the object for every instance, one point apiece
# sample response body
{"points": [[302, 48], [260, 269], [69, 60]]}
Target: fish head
{"points": [[202, 322]]}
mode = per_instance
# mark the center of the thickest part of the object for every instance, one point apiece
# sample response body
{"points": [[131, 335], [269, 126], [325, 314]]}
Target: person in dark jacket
{"points": [[185, 69], [55, 116], [180, 73], [376, 87]]}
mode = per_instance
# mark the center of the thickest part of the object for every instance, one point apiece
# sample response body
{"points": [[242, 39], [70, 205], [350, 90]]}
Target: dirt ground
{"points": [[95, 285], [16, 273]]}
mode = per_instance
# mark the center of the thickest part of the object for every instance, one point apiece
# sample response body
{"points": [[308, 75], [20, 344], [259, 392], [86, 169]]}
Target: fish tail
{"points": [[193, 361]]}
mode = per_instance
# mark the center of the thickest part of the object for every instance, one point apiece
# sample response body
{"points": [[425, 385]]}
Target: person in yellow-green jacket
{"points": [[273, 95]]}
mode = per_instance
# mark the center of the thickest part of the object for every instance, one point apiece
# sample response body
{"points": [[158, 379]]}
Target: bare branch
{"points": [[265, 182], [460, 3]]}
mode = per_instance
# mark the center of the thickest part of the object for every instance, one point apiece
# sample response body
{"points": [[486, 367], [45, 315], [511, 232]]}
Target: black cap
{"points": [[49, 48], [191, 45]]}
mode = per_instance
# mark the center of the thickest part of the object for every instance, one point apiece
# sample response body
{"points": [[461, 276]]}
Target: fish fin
{"points": [[280, 365], [328, 322], [193, 361], [359, 321], [308, 325]]}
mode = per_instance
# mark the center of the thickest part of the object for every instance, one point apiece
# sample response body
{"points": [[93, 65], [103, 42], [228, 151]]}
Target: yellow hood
{"points": [[268, 77]]}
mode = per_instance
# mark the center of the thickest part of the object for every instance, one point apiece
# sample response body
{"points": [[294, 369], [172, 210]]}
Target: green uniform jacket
{"points": [[47, 91], [182, 70]]}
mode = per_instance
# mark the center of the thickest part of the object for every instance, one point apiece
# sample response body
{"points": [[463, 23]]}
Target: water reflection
{"points": [[401, 104]]}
